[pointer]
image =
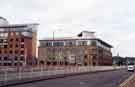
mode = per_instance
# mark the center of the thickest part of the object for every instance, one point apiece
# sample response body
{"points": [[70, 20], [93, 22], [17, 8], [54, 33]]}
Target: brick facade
{"points": [[17, 44], [82, 51]]}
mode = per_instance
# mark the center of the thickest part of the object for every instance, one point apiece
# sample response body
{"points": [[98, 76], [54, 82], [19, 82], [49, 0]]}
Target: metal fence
{"points": [[5, 75]]}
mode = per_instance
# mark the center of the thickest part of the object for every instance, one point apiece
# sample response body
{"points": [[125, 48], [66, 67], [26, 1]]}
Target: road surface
{"points": [[99, 79]]}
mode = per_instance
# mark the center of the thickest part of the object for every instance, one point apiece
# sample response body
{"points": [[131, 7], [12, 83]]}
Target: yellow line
{"points": [[126, 81]]}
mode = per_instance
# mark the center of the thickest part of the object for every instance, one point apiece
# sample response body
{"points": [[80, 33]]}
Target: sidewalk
{"points": [[130, 82]]}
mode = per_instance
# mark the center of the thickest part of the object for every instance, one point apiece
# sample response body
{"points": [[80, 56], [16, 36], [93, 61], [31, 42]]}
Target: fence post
{"points": [[41, 70], [20, 73], [5, 74]]}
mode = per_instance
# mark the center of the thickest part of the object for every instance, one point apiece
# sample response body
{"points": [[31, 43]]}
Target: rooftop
{"points": [[85, 35], [5, 26]]}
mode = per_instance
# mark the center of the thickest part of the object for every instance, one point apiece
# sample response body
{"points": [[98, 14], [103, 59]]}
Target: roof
{"points": [[76, 38], [17, 25], [64, 38], [3, 18]]}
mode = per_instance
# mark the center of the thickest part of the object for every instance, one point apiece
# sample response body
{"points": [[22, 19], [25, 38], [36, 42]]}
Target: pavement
{"points": [[97, 79]]}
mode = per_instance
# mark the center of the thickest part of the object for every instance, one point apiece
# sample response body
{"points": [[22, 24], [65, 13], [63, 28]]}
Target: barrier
{"points": [[7, 76]]}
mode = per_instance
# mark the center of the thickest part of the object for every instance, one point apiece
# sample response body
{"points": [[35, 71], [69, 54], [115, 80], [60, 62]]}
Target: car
{"points": [[130, 68]]}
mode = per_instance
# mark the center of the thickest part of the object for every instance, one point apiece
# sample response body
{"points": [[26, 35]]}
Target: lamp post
{"points": [[54, 60]]}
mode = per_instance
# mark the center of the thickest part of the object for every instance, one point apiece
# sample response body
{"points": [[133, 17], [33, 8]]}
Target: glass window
{"points": [[11, 51], [16, 57], [22, 58], [93, 43], [20, 64], [5, 58], [17, 39], [11, 45], [16, 45], [22, 40], [9, 64], [16, 51], [70, 43], [11, 39], [22, 52], [58, 43], [1, 40], [15, 64], [82, 42], [5, 51], [5, 46], [22, 45], [4, 40], [5, 64], [48, 44]]}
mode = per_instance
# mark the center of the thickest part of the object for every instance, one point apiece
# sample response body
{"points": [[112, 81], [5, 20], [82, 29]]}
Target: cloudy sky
{"points": [[113, 20]]}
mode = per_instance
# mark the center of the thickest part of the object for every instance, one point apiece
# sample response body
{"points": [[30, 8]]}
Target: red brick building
{"points": [[85, 49], [17, 43]]}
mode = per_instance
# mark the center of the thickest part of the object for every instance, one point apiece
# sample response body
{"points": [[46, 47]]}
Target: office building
{"points": [[84, 49]]}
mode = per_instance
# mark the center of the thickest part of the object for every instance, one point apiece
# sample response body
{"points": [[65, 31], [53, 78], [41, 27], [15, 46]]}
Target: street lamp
{"points": [[53, 43]]}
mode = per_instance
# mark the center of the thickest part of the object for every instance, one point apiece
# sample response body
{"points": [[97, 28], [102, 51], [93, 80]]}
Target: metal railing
{"points": [[5, 75]]}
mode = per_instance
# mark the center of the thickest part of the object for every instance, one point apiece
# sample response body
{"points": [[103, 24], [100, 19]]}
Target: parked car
{"points": [[130, 67]]}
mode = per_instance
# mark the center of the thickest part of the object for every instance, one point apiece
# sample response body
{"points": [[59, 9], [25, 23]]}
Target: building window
{"points": [[1, 40], [93, 43], [4, 40], [58, 43], [22, 40], [10, 45], [15, 64], [22, 52], [22, 45], [5, 58], [16, 51], [4, 35], [16, 58], [9, 64], [5, 64], [5, 46], [21, 58], [10, 51], [5, 51], [17, 39], [94, 51], [47, 44], [20, 64], [11, 39], [70, 43], [82, 42], [16, 45]]}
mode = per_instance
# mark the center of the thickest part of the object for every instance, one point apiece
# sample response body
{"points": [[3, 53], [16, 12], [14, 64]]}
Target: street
{"points": [[99, 79]]}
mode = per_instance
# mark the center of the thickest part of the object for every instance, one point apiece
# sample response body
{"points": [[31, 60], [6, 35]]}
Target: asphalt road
{"points": [[100, 79]]}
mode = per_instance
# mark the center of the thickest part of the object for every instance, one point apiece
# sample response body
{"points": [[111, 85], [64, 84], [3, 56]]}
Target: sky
{"points": [[112, 20]]}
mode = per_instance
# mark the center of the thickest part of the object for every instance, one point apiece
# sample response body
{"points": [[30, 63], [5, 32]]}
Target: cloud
{"points": [[113, 20]]}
